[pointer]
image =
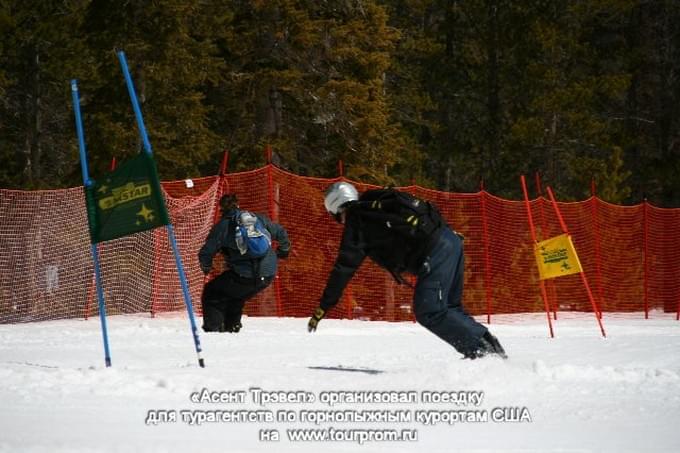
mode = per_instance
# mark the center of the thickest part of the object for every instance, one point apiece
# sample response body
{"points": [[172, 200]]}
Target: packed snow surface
{"points": [[355, 385]]}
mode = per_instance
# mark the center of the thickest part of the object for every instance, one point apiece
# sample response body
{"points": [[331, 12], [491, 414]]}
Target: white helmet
{"points": [[338, 194]]}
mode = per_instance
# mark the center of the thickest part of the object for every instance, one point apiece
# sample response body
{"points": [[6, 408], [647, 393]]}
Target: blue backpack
{"points": [[252, 238]]}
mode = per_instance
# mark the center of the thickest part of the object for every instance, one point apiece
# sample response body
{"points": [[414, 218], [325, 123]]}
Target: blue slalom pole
{"points": [[135, 103], [171, 231], [95, 253]]}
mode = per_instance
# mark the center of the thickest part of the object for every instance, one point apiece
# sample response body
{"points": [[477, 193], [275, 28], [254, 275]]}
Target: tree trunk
{"points": [[493, 97], [34, 123]]}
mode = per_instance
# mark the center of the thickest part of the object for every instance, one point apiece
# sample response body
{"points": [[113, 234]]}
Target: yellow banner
{"points": [[557, 257]]}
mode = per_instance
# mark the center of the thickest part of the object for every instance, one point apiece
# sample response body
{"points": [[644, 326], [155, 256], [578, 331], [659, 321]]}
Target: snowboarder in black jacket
{"points": [[224, 296], [436, 260]]}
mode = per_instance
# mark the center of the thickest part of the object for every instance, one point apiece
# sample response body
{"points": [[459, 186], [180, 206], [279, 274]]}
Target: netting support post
{"points": [[488, 289], [596, 234], [90, 297], [532, 229], [217, 213], [157, 262], [171, 231], [563, 225], [349, 296], [645, 256], [223, 186], [224, 166], [87, 182], [273, 198], [550, 284]]}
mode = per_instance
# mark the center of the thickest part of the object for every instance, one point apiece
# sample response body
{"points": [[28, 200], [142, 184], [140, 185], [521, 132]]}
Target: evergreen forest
{"points": [[448, 94]]}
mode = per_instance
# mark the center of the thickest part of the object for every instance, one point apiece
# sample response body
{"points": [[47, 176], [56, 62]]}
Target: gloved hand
{"points": [[282, 254], [318, 315]]}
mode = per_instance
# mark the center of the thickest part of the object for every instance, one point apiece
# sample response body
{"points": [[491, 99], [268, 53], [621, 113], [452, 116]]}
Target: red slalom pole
{"points": [[596, 309]]}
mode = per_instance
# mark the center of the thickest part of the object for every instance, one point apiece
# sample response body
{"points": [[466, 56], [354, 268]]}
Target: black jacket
{"points": [[362, 237], [222, 239]]}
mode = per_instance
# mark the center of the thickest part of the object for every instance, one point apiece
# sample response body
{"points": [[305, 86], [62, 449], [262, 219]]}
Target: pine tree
{"points": [[652, 114], [41, 49], [576, 90], [511, 88], [412, 95], [307, 78], [170, 49]]}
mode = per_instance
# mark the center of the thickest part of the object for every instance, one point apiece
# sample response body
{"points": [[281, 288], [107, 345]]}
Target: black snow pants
{"points": [[224, 297], [438, 296]]}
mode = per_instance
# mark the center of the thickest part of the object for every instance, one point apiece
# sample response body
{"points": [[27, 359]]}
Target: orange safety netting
{"points": [[630, 255]]}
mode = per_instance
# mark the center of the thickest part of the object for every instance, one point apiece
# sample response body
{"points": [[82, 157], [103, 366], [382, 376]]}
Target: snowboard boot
{"points": [[233, 328], [496, 347], [488, 345]]}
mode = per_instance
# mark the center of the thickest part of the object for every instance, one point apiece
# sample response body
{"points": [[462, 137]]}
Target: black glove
{"points": [[318, 315], [282, 254]]}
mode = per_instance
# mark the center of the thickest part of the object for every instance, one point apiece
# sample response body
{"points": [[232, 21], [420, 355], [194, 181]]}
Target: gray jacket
{"points": [[222, 238]]}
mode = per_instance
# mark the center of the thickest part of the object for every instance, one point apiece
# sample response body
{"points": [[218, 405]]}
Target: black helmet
{"points": [[228, 201]]}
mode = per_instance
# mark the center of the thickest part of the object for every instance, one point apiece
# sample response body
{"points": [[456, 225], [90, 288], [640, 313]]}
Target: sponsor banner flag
{"points": [[126, 201], [557, 257]]}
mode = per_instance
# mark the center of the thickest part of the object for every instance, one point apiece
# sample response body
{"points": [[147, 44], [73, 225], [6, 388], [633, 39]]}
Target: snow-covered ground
{"points": [[575, 393]]}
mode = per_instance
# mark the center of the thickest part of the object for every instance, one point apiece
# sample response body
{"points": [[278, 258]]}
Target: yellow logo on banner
{"points": [[557, 257], [124, 194]]}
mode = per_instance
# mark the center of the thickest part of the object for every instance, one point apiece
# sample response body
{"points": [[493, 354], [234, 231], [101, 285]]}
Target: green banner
{"points": [[126, 201]]}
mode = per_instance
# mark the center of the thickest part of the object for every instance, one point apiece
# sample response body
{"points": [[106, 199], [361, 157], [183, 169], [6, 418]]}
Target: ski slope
{"points": [[577, 392]]}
